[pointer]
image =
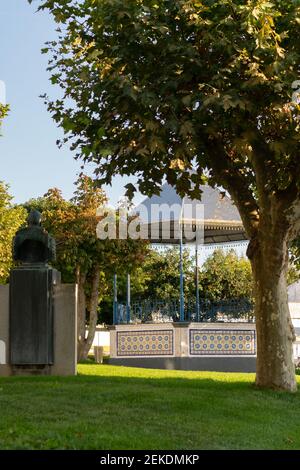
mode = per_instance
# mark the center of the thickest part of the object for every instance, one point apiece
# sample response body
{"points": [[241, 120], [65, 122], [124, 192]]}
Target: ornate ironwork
{"points": [[162, 311]]}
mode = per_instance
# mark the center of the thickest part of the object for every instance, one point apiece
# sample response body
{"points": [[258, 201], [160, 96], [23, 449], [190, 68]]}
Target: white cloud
{"points": [[2, 92]]}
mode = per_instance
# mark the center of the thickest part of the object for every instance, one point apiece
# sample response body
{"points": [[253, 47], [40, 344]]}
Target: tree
{"points": [[162, 87], [81, 256], [225, 276], [11, 219], [158, 277], [3, 112]]}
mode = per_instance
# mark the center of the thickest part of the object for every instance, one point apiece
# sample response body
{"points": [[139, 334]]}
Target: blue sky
{"points": [[30, 161]]}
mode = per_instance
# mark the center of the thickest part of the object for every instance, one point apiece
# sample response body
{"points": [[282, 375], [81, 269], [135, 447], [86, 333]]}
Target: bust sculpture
{"points": [[33, 244]]}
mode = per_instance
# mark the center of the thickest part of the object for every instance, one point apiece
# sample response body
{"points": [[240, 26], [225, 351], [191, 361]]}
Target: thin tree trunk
{"points": [[81, 319], [275, 333], [93, 311], [84, 342]]}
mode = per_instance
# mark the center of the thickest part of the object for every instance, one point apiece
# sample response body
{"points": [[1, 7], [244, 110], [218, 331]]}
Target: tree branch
{"points": [[236, 184]]}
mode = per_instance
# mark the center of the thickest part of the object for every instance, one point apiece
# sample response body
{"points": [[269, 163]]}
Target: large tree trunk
{"points": [[275, 333], [271, 218]]}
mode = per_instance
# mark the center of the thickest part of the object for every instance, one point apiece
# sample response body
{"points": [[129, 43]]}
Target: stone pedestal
{"points": [[64, 352], [31, 315], [38, 315]]}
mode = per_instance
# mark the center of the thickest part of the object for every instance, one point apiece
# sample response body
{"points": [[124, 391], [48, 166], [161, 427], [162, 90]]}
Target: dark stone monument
{"points": [[31, 298]]}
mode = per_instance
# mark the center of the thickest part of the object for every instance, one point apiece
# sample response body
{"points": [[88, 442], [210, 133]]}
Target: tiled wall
{"points": [[235, 342], [169, 339], [145, 343]]}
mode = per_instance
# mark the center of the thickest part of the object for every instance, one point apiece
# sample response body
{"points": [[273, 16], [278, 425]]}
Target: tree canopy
{"points": [[226, 276], [222, 97], [11, 219], [223, 276]]}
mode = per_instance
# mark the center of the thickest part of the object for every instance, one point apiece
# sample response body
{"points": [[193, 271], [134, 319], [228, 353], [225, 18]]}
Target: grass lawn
{"points": [[108, 407]]}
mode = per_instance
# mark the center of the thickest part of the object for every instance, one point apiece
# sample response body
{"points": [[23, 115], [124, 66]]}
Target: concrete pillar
{"points": [[5, 368], [65, 330]]}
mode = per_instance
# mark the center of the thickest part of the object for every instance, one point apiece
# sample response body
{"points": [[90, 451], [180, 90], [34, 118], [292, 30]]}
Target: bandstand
{"points": [[193, 335]]}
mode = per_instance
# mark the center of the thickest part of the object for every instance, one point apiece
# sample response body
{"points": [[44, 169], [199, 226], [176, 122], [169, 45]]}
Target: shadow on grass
{"points": [[120, 376]]}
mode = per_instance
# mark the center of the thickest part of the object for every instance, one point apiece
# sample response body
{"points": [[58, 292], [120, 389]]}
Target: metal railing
{"points": [[161, 311]]}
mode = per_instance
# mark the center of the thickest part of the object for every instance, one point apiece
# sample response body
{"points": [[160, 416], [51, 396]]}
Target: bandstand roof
{"points": [[215, 217]]}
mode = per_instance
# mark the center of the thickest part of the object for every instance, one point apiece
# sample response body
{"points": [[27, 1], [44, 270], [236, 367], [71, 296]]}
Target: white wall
{"points": [[102, 338], [2, 352], [295, 311]]}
